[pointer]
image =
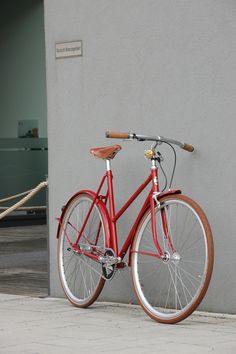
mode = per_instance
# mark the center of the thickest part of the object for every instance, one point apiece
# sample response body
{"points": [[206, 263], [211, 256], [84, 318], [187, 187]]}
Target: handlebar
{"points": [[161, 139], [118, 135]]}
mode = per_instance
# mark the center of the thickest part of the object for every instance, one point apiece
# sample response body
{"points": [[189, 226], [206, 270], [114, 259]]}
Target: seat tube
{"points": [[113, 244]]}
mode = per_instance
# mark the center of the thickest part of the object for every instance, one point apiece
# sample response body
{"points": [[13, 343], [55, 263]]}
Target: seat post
{"points": [[108, 163]]}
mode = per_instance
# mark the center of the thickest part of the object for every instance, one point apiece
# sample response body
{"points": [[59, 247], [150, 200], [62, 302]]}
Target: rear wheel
{"points": [[81, 276], [171, 287]]}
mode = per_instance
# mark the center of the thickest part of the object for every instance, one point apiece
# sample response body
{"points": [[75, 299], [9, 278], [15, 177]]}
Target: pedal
{"points": [[109, 262]]}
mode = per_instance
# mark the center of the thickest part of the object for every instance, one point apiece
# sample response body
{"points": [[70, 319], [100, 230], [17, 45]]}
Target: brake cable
{"points": [[160, 159]]}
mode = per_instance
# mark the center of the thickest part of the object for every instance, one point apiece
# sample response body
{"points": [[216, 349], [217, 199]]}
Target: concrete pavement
{"points": [[23, 260], [31, 325]]}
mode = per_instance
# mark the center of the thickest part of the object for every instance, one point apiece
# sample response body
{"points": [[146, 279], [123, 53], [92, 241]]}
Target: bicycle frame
{"points": [[113, 217]]}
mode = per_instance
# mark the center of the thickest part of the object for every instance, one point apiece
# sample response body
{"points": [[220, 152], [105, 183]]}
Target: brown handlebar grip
{"points": [[188, 147], [117, 135]]}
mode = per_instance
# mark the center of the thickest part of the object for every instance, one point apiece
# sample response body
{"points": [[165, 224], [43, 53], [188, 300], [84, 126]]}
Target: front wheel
{"points": [[169, 288]]}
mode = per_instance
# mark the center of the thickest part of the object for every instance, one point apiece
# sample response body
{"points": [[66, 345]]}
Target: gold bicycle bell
{"points": [[149, 154]]}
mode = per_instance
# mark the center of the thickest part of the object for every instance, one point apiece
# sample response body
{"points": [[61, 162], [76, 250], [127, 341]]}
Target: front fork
{"points": [[155, 203]]}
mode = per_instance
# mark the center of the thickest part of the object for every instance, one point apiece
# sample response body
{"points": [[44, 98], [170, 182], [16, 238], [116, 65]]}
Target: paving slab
{"points": [[30, 325]]}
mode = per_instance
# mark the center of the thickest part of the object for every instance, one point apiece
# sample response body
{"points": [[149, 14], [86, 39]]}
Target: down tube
{"points": [[130, 237]]}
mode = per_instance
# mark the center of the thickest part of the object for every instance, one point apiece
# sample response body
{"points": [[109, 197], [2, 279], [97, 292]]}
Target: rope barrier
{"points": [[14, 196], [29, 195]]}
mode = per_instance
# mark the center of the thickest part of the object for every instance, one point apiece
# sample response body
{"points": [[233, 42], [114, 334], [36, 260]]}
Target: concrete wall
{"points": [[160, 67], [22, 66]]}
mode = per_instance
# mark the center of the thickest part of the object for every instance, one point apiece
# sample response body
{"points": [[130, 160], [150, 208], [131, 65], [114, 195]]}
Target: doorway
{"points": [[23, 145]]}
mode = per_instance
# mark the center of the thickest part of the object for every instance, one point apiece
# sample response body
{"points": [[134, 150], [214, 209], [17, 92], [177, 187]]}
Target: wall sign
{"points": [[69, 49]]}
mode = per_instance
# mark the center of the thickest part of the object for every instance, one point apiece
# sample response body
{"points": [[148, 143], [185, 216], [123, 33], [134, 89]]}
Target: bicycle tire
{"points": [[80, 276], [170, 289]]}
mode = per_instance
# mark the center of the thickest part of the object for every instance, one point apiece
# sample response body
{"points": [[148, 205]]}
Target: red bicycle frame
{"points": [[153, 196]]}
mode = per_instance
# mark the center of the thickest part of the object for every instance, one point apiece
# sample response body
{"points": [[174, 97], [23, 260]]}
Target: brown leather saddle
{"points": [[105, 153]]}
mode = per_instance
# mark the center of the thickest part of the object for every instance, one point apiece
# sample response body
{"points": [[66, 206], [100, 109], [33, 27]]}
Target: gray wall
{"points": [[160, 67], [22, 66]]}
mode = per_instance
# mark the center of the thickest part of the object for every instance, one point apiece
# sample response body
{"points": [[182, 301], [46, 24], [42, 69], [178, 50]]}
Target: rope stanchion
{"points": [[29, 195]]}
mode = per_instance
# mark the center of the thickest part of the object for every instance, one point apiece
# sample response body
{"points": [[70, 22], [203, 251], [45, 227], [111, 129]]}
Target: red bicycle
{"points": [[170, 246]]}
